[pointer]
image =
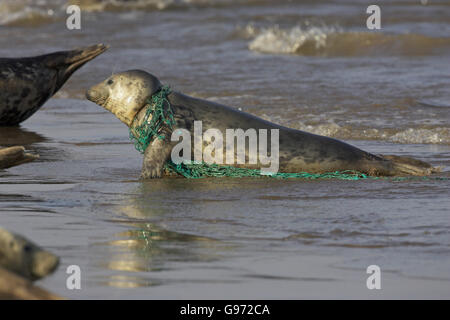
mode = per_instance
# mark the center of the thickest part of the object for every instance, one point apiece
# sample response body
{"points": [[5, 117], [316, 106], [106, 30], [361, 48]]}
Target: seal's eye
{"points": [[27, 248], [110, 81]]}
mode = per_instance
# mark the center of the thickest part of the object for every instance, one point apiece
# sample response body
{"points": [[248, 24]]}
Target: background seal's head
{"points": [[23, 257], [125, 93]]}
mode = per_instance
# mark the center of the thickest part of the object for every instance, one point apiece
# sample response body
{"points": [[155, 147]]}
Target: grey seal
{"points": [[27, 83], [126, 94], [24, 258]]}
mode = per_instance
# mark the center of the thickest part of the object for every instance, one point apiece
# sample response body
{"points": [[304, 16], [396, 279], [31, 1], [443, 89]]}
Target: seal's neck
{"points": [[151, 121], [140, 115], [137, 121]]}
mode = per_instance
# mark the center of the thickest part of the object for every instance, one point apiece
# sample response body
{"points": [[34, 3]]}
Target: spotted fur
{"points": [[27, 83], [125, 94]]}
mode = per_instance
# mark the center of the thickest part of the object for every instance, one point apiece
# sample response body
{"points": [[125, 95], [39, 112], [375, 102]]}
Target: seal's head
{"points": [[65, 63], [23, 257], [125, 93]]}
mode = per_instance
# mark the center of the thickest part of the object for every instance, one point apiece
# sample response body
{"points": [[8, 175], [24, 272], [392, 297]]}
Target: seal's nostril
{"points": [[91, 95]]}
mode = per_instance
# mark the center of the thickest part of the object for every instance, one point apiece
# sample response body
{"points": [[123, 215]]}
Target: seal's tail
{"points": [[410, 166]]}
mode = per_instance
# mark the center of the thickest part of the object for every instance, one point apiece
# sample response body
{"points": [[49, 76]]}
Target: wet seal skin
{"points": [[125, 95], [27, 83], [24, 258]]}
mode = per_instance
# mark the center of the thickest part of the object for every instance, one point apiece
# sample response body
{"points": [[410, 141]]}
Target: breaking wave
{"points": [[118, 5], [112, 5], [333, 41], [425, 136], [27, 12], [418, 135], [32, 12], [439, 135]]}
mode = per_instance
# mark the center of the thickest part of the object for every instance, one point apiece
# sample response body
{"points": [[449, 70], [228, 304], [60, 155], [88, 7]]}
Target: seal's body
{"points": [[27, 83], [126, 94], [24, 258]]}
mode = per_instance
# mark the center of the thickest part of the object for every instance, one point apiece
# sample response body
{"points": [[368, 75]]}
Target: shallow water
{"points": [[307, 65]]}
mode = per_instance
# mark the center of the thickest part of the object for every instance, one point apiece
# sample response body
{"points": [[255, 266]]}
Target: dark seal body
{"points": [[125, 94], [27, 83]]}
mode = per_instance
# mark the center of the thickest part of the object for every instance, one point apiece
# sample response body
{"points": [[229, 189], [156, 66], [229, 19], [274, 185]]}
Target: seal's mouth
{"points": [[67, 62], [79, 57], [44, 263], [96, 97]]}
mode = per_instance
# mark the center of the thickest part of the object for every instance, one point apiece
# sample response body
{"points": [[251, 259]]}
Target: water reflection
{"points": [[140, 255], [11, 136], [32, 141]]}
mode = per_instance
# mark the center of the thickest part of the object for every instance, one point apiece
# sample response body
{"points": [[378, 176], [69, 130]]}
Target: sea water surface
{"points": [[310, 65]]}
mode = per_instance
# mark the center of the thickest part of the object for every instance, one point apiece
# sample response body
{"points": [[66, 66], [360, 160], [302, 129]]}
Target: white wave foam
{"points": [[332, 41], [29, 12], [104, 5], [276, 40], [439, 135], [422, 136], [12, 12], [330, 129]]}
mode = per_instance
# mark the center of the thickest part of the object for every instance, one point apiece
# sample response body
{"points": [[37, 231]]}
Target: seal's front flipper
{"points": [[155, 156]]}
